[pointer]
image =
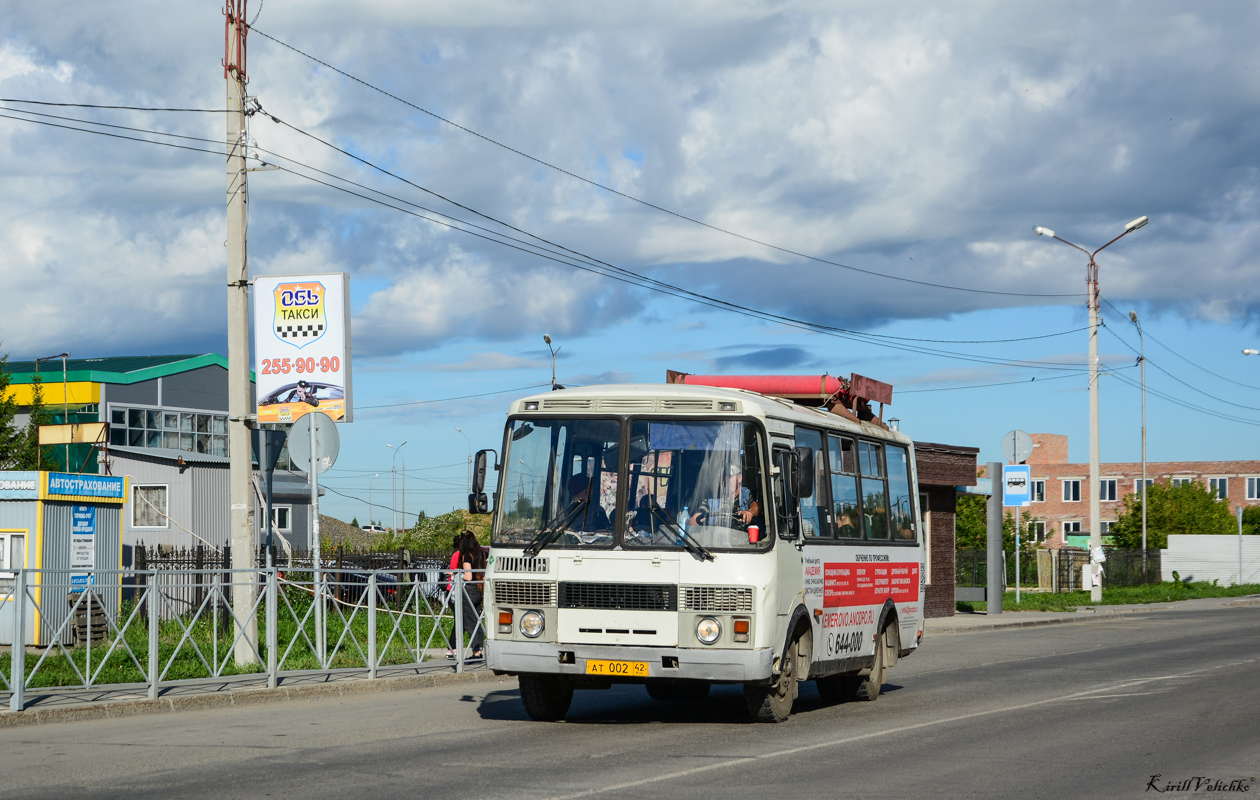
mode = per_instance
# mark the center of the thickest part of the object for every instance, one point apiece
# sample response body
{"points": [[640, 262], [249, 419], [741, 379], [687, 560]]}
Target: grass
{"points": [[1119, 595], [215, 645]]}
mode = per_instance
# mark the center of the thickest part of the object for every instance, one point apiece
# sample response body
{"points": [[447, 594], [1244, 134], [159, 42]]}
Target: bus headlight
{"points": [[532, 624], [708, 630]]}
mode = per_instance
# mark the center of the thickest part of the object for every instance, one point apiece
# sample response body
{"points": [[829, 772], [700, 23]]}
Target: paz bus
{"points": [[754, 530]]}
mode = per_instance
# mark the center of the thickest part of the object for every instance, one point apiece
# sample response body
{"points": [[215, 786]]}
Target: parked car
{"points": [[374, 529]]}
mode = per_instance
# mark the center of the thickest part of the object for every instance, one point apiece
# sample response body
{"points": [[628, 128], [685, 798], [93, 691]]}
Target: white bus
{"points": [[680, 536]]}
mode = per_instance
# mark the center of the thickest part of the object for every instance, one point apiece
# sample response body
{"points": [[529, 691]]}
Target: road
{"points": [[1079, 710]]}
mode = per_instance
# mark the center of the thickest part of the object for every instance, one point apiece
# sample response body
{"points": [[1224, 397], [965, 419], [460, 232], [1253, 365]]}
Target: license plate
{"points": [[627, 669]]}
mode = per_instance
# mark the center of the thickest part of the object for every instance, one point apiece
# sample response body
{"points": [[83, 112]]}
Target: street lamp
{"points": [[547, 339], [394, 486], [65, 401], [371, 522], [1091, 281], [461, 433], [1142, 358]]}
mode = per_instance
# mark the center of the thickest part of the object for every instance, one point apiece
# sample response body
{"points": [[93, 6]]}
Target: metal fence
{"points": [[181, 624], [1058, 570]]}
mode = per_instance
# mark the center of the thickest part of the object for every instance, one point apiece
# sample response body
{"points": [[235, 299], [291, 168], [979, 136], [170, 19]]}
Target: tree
{"points": [[971, 525], [1186, 509], [12, 438], [355, 522], [39, 415]]}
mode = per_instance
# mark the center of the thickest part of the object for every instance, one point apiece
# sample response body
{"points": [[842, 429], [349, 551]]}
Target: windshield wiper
{"points": [[681, 534], [552, 529]]}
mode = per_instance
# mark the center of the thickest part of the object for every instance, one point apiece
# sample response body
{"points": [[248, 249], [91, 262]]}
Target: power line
{"points": [[987, 385], [605, 269], [461, 397], [1190, 386], [651, 205], [115, 108], [568, 250], [1199, 367]]}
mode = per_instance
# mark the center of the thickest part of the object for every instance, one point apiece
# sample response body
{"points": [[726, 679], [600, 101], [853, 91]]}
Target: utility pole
{"points": [[1095, 513], [240, 466]]}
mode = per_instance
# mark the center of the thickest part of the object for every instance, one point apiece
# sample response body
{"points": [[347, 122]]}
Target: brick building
{"points": [[942, 469], [1060, 489]]}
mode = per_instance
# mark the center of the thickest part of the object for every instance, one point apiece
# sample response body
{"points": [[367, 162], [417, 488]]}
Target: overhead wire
{"points": [[1197, 366], [608, 270], [654, 206]]}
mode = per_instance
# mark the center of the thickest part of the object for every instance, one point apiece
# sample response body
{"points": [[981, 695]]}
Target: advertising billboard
{"points": [[302, 347]]}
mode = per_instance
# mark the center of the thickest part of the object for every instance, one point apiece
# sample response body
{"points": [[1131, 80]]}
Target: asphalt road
{"points": [[1079, 711]]}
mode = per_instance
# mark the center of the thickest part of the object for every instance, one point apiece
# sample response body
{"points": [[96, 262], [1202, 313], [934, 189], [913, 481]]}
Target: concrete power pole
{"points": [[240, 468]]}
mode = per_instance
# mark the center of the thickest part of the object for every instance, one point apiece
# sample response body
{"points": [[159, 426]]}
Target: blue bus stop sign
{"points": [[1016, 488]]}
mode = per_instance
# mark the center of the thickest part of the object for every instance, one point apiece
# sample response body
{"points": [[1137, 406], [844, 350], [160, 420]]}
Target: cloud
{"points": [[901, 140], [491, 361], [770, 358]]}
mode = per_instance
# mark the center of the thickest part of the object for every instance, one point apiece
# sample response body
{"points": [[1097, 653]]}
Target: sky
{"points": [[860, 180]]}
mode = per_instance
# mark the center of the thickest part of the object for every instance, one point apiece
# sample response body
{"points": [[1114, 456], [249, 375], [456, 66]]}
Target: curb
{"points": [[132, 708], [1084, 614]]}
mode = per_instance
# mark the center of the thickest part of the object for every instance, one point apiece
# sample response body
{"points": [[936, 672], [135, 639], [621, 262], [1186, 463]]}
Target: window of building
{"points": [[1071, 527], [1253, 488], [148, 506], [1182, 481], [1038, 491], [1107, 525], [281, 518], [1137, 485], [1037, 530], [1072, 490], [1219, 487], [1107, 490], [190, 431]]}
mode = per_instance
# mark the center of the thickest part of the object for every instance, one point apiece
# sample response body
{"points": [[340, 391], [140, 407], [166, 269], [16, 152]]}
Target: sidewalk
{"points": [[971, 623], [124, 700]]}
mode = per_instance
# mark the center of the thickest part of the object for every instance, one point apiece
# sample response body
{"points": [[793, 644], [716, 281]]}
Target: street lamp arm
{"points": [[1082, 249]]}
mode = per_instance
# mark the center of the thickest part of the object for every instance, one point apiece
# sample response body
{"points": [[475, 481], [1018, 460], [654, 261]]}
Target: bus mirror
{"points": [[803, 479], [478, 502]]}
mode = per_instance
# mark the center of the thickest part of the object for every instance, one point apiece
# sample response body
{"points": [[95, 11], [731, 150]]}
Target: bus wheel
{"points": [[773, 703], [546, 697], [686, 692], [866, 687]]}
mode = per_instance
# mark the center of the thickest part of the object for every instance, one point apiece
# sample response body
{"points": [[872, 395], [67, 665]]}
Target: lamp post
{"points": [[65, 400], [547, 339], [461, 433], [371, 522], [1091, 281], [394, 486], [1142, 358]]}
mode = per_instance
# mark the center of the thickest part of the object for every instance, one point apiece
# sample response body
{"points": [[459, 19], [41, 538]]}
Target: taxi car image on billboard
{"points": [[294, 400]]}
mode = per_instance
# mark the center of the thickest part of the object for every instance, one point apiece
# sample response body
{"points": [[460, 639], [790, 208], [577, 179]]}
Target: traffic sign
{"points": [[327, 443], [1017, 446], [1015, 485]]}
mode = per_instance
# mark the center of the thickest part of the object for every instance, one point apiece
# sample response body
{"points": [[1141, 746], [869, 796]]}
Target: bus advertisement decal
{"points": [[849, 584]]}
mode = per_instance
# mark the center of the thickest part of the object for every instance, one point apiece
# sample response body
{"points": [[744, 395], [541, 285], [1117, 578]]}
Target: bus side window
{"points": [[813, 515], [844, 490], [900, 498], [784, 503]]}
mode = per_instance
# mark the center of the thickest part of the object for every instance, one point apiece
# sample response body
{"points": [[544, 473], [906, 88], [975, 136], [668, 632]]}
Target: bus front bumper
{"points": [[680, 663]]}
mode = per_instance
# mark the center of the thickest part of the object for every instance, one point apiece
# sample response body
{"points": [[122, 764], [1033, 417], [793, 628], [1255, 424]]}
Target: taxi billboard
{"points": [[302, 347]]}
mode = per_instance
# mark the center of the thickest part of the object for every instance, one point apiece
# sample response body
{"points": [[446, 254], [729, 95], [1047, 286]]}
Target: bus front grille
{"points": [[717, 598], [624, 596], [524, 593]]}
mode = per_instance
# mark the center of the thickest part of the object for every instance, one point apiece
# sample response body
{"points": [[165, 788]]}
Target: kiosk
{"points": [[65, 529]]}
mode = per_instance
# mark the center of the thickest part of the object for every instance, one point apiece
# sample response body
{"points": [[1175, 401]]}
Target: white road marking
{"points": [[890, 732]]}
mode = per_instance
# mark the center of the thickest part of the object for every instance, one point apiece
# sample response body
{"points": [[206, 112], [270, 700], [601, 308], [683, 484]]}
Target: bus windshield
{"points": [[689, 483], [702, 477], [561, 477]]}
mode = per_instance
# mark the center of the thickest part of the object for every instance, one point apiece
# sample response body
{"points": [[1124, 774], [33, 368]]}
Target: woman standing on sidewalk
{"points": [[472, 557]]}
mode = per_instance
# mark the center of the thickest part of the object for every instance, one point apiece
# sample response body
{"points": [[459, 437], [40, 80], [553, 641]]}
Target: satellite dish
{"points": [[1017, 446], [327, 442]]}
